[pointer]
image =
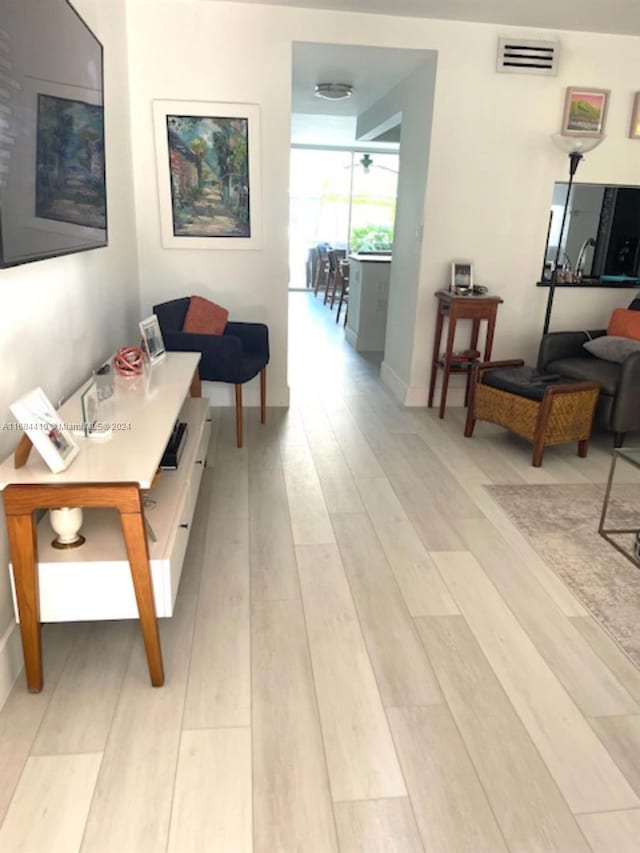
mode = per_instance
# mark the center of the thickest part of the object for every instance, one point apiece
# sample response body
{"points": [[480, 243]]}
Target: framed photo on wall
{"points": [[585, 111], [208, 161], [461, 275], [634, 130], [44, 428], [152, 338]]}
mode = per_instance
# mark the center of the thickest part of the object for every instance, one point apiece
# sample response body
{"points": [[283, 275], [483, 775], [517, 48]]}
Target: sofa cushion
{"points": [[612, 348], [205, 317], [625, 323], [589, 369]]}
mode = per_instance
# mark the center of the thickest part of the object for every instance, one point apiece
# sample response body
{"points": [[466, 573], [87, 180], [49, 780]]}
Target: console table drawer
{"points": [[177, 549]]}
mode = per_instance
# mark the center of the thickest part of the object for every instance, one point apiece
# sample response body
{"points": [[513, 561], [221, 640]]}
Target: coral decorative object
{"points": [[129, 361]]}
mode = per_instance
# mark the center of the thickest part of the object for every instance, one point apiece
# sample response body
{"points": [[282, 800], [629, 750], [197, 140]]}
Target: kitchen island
{"points": [[369, 275]]}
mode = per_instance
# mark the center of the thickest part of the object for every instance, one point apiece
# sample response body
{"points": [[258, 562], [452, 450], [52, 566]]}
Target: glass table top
{"points": [[630, 454]]}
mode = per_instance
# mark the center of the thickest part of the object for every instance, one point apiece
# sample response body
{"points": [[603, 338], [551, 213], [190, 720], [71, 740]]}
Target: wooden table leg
{"points": [[451, 334], [135, 540], [473, 344], [491, 327], [195, 389], [263, 395], [24, 557], [436, 355]]}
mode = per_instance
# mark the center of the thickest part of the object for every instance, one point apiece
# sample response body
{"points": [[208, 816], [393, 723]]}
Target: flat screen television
{"points": [[52, 173]]}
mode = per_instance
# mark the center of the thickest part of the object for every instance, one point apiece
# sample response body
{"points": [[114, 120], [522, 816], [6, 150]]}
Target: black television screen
{"points": [[52, 175]]}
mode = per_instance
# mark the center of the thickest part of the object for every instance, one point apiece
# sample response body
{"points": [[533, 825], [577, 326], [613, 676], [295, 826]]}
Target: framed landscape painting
{"points": [[208, 174], [70, 176], [585, 112]]}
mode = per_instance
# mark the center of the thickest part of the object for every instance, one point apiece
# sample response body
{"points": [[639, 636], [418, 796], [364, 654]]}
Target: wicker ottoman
{"points": [[544, 410]]}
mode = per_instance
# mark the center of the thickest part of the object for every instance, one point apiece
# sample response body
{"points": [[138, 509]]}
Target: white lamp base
{"points": [[66, 523]]}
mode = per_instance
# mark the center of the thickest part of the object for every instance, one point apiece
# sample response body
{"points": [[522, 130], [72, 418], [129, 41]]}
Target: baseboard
{"points": [[394, 383], [351, 337], [223, 394], [11, 660], [418, 395]]}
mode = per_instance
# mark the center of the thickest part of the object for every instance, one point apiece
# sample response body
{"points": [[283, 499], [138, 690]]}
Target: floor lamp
{"points": [[576, 147]]}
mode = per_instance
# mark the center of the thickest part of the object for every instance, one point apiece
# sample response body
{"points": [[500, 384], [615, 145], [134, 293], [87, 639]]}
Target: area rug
{"points": [[561, 522]]}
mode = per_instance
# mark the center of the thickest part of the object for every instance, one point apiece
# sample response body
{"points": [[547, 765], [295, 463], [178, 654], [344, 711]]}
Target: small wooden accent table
{"points": [[474, 308], [110, 473]]}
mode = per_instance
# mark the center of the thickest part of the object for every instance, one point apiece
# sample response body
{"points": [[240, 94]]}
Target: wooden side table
{"points": [[474, 308]]}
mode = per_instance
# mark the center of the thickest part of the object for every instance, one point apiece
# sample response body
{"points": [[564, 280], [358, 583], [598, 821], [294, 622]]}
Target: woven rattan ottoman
{"points": [[545, 410]]}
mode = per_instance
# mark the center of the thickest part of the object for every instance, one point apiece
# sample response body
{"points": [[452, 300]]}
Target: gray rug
{"points": [[561, 523]]}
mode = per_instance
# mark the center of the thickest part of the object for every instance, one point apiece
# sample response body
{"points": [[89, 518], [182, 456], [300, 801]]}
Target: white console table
{"points": [[116, 574]]}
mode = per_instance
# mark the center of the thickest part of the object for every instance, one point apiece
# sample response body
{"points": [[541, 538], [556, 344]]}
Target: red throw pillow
{"points": [[625, 323], [205, 317]]}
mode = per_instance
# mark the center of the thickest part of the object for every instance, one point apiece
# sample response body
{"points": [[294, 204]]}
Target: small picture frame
{"points": [[461, 275], [634, 130], [90, 409], [152, 339], [585, 111], [44, 428]]}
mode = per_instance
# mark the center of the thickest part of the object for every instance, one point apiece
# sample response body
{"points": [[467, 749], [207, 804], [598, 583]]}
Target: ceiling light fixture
{"points": [[366, 162], [333, 91]]}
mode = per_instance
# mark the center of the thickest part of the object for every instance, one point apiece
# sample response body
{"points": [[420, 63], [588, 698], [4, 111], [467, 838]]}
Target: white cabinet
{"points": [[368, 301], [94, 581]]}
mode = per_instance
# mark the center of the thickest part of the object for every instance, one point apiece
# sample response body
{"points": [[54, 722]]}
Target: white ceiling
{"points": [[597, 16], [372, 71]]}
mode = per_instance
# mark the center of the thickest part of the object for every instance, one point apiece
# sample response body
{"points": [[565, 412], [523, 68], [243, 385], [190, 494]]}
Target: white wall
{"points": [[214, 52], [491, 173], [413, 99], [491, 179], [61, 317]]}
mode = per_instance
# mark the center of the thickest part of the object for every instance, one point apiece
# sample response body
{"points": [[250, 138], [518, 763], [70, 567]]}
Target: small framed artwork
{"points": [[461, 275], [634, 131], [208, 161], [90, 409], [152, 338], [585, 112], [44, 428]]}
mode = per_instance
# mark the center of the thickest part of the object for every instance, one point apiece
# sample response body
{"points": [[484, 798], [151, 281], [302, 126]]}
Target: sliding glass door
{"points": [[343, 198]]}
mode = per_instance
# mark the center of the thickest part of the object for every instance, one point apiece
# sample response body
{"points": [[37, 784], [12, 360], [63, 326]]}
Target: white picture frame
{"points": [[152, 341], [461, 274], [44, 428], [184, 170]]}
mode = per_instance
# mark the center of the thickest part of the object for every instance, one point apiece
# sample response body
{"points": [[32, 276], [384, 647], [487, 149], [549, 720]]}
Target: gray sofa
{"points": [[619, 404]]}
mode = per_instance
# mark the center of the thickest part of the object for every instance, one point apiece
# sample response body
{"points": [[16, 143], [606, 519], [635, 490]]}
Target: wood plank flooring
{"points": [[366, 657]]}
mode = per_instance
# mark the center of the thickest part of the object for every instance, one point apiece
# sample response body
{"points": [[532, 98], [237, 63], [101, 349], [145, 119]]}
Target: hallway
{"points": [[366, 656]]}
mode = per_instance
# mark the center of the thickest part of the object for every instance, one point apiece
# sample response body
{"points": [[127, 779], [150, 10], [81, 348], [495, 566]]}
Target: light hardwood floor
{"points": [[367, 657]]}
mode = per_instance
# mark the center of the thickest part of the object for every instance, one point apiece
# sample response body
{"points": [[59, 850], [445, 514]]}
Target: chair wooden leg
{"points": [[239, 415], [263, 395]]}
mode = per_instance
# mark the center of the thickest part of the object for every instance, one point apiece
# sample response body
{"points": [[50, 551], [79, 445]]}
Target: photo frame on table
{"points": [[90, 409], [585, 111], [208, 162], [461, 275], [152, 338], [45, 430], [634, 130]]}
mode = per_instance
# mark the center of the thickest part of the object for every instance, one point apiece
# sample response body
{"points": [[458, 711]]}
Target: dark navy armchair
{"points": [[236, 356]]}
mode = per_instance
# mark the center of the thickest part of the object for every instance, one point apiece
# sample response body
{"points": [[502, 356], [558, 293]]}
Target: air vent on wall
{"points": [[524, 56]]}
